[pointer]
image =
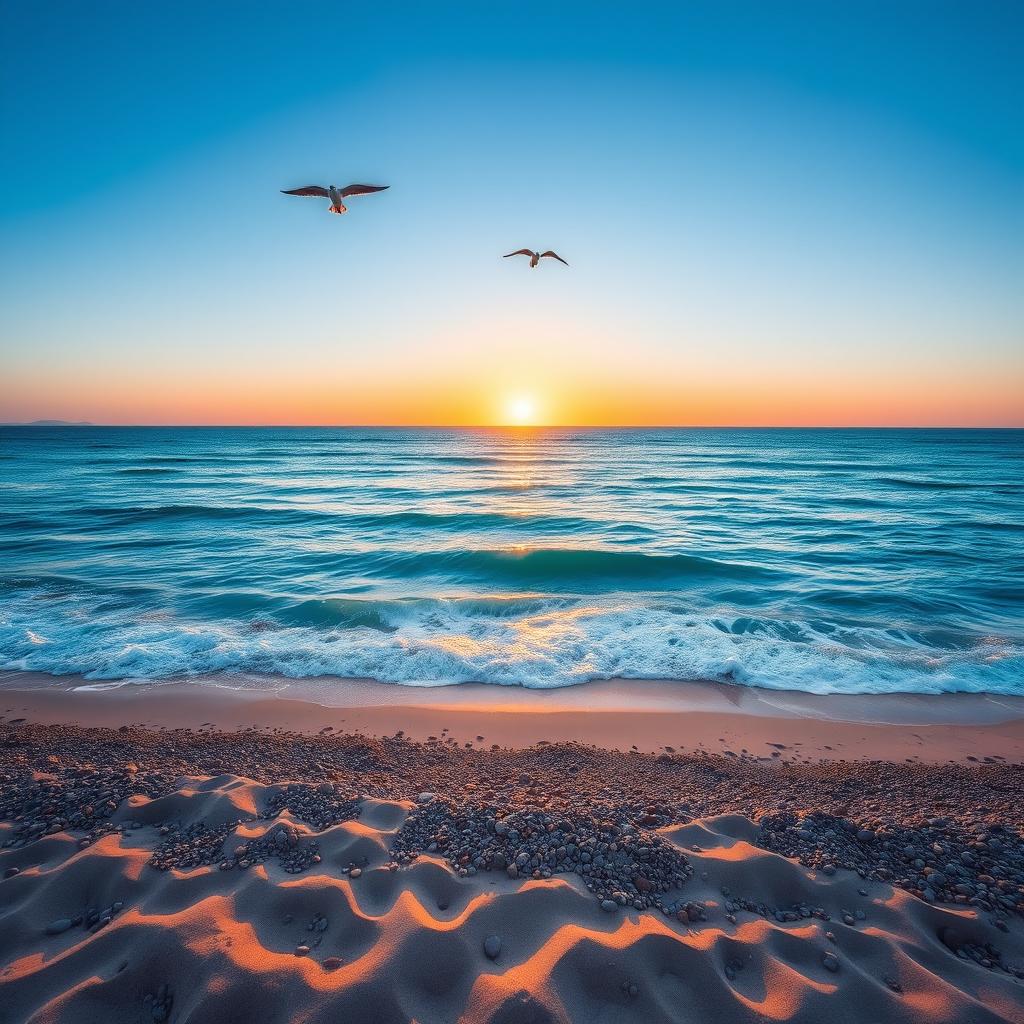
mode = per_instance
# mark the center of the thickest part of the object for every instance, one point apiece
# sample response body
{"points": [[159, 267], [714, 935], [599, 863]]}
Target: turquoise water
{"points": [[828, 561]]}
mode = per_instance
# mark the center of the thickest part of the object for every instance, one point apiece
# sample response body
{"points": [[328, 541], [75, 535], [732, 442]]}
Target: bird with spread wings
{"points": [[335, 194], [535, 257]]}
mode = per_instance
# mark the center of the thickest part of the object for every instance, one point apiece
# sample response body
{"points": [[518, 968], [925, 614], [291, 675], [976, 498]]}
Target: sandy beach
{"points": [[647, 715], [192, 852]]}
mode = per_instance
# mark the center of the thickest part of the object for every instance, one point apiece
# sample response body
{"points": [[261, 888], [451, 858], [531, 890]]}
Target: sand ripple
{"points": [[408, 944]]}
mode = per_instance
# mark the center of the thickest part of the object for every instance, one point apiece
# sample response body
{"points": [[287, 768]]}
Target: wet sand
{"points": [[618, 714]]}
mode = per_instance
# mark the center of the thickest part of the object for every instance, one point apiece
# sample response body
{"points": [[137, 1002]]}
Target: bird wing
{"points": [[362, 190], [518, 252], [551, 252], [308, 190]]}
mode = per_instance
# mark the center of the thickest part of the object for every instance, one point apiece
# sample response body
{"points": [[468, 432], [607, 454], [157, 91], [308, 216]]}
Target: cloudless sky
{"points": [[774, 212]]}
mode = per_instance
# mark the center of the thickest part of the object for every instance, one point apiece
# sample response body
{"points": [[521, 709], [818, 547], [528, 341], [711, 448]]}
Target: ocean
{"points": [[830, 561]]}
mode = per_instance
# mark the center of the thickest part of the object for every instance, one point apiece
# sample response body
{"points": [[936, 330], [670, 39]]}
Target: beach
{"points": [[647, 715], [190, 851], [396, 725]]}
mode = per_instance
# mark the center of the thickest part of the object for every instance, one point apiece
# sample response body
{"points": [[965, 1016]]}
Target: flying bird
{"points": [[335, 194], [535, 257]]}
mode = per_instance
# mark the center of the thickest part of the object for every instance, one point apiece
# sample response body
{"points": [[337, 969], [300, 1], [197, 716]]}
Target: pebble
{"points": [[355, 872], [693, 912], [970, 858], [616, 860], [62, 924], [609, 905], [830, 961], [199, 845], [492, 946], [934, 859]]}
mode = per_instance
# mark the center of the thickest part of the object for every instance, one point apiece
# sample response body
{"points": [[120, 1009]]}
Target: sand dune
{"points": [[408, 943]]}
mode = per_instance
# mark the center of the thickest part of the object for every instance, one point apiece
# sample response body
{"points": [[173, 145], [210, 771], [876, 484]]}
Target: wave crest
{"points": [[527, 641]]}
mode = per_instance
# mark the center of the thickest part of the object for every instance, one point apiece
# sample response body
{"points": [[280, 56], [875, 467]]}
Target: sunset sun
{"points": [[521, 410]]}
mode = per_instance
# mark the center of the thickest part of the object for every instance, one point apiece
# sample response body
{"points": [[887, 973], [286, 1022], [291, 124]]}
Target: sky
{"points": [[774, 213]]}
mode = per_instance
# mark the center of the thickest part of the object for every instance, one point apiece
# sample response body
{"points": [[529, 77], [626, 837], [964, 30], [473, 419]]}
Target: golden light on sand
{"points": [[521, 410]]}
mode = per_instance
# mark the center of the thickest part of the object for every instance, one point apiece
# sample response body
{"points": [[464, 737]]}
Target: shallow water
{"points": [[828, 561]]}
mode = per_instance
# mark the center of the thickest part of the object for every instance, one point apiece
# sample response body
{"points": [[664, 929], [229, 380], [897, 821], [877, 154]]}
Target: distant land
{"points": [[51, 423]]}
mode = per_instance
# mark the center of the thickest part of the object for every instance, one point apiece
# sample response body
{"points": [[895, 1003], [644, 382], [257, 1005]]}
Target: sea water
{"points": [[820, 560]]}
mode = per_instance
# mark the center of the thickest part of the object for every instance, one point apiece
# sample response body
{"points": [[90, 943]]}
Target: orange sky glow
{"points": [[495, 396]]}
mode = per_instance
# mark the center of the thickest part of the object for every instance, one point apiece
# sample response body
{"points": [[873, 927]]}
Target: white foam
{"points": [[443, 642]]}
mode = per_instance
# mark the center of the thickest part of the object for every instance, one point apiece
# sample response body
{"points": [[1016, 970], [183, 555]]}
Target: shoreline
{"points": [[650, 715]]}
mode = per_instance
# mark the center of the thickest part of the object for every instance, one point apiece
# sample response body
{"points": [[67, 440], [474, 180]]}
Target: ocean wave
{"points": [[128, 514], [390, 522], [458, 521], [929, 485], [558, 566], [531, 642]]}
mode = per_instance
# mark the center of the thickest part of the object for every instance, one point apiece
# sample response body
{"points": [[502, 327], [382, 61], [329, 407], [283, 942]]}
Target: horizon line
{"points": [[505, 426]]}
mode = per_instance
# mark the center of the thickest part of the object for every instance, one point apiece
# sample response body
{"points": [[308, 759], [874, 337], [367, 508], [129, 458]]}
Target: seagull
{"points": [[335, 194], [535, 257]]}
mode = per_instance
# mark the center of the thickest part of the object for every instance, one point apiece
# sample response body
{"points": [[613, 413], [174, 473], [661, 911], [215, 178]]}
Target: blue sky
{"points": [[774, 212]]}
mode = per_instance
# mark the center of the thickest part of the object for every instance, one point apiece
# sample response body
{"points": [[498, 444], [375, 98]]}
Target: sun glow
{"points": [[521, 410]]}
